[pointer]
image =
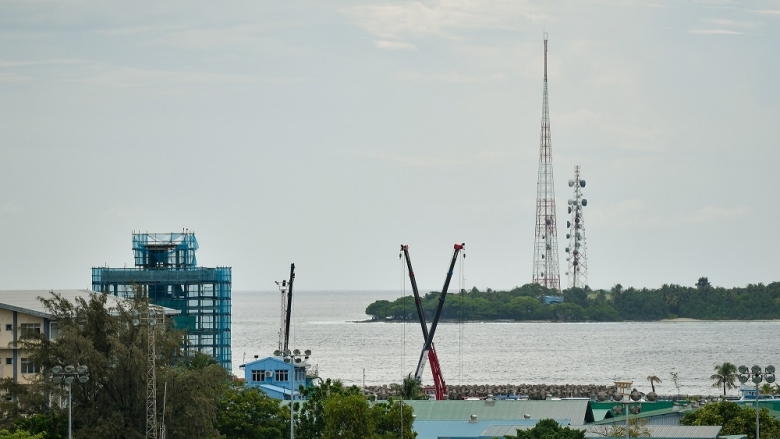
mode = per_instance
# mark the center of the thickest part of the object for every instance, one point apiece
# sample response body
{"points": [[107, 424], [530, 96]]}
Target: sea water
{"points": [[329, 324]]}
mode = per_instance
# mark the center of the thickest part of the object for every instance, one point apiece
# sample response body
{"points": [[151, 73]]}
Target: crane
{"points": [[429, 349]]}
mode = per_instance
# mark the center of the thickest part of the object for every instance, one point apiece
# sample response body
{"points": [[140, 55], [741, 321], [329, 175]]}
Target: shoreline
{"points": [[675, 320]]}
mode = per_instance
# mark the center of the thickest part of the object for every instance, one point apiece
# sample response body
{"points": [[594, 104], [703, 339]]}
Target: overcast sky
{"points": [[329, 133]]}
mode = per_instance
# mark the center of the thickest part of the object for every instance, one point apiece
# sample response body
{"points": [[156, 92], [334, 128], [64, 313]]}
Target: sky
{"points": [[327, 134]]}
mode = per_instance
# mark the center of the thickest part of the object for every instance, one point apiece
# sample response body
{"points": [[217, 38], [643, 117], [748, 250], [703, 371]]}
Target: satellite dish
{"points": [[571, 183], [743, 369], [755, 369], [277, 353], [82, 369], [70, 369], [296, 352], [56, 369], [584, 202], [770, 369], [83, 379], [307, 352], [582, 183]]}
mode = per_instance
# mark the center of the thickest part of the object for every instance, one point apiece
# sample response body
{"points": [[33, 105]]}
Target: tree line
{"points": [[201, 400], [701, 301]]}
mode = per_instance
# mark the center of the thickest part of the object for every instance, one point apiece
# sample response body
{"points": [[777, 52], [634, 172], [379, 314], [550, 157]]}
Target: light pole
{"points": [[292, 358], [68, 375], [635, 396], [756, 375]]}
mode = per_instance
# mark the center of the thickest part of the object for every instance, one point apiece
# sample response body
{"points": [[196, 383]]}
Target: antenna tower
{"points": [[576, 252], [151, 375], [546, 272]]}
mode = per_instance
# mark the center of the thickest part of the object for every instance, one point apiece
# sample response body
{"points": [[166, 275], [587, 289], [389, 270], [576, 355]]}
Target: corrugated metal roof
{"points": [[27, 301], [675, 432], [574, 411], [508, 430], [454, 429]]}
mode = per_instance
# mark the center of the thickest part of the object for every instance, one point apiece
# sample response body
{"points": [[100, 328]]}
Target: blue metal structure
{"points": [[166, 270]]}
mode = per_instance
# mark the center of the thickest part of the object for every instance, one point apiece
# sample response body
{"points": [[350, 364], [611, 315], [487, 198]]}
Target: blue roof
{"points": [[456, 429]]}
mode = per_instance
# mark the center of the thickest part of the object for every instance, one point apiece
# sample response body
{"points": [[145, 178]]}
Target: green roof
{"points": [[577, 412]]}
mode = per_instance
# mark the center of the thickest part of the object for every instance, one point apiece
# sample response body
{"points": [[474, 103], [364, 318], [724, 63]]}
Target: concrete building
{"points": [[166, 270]]}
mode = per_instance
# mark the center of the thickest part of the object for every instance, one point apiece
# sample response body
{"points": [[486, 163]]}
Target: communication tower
{"points": [[576, 252], [546, 271]]}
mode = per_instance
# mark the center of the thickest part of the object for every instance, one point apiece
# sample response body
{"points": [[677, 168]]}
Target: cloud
{"points": [[770, 12], [634, 213], [14, 78], [394, 45], [714, 32], [715, 213], [120, 212], [442, 18], [435, 162], [453, 77], [733, 23]]}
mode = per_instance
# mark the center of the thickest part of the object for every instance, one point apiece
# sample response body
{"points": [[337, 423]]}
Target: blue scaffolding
{"points": [[166, 270]]}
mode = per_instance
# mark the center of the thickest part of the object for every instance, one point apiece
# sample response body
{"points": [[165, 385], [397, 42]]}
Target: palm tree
{"points": [[724, 376], [409, 389], [653, 379]]}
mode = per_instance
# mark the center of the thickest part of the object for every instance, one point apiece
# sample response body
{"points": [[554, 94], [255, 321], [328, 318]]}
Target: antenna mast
{"points": [[577, 256], [546, 271], [151, 374]]}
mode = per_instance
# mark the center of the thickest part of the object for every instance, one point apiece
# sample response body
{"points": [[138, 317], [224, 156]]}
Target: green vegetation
{"points": [[201, 400], [701, 301], [735, 419], [724, 375], [549, 429]]}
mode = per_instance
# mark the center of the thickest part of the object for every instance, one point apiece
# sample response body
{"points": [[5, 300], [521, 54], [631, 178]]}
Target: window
{"points": [[282, 375], [29, 329], [29, 367], [9, 361], [9, 327], [54, 330], [258, 375]]}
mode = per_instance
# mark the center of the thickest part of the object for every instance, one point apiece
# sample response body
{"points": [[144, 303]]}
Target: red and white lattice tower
{"points": [[546, 272], [577, 251]]}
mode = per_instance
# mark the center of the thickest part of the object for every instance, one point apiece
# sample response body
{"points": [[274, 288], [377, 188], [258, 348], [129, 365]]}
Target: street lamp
{"points": [[292, 358], [635, 409], [68, 375], [756, 375]]}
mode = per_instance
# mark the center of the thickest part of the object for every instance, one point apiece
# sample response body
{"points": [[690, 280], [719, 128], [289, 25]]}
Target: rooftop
{"points": [[28, 301]]}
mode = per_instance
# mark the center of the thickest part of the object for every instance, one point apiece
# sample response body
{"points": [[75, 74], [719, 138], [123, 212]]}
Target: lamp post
{"points": [[68, 375], [634, 396], [756, 374], [292, 358]]}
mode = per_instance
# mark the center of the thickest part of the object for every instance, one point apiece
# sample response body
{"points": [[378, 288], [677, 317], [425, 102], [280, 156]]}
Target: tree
{"points": [[347, 417], [248, 413], [409, 389], [724, 376], [311, 420], [393, 420], [19, 434], [112, 404], [653, 379], [675, 380], [735, 419], [549, 429], [703, 283]]}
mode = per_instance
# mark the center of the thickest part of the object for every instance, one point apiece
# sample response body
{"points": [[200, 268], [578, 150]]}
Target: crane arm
{"points": [[289, 307]]}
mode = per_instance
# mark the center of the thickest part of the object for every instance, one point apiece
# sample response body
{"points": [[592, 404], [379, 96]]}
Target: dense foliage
{"points": [[112, 404], [548, 429], [735, 419], [200, 400], [701, 301], [334, 411]]}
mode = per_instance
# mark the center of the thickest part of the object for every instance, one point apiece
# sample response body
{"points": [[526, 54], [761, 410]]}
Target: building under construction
{"points": [[167, 271]]}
